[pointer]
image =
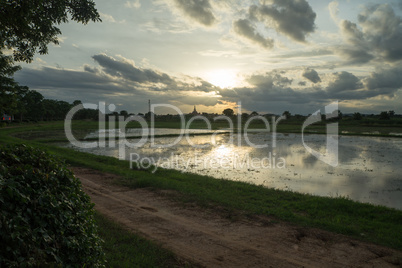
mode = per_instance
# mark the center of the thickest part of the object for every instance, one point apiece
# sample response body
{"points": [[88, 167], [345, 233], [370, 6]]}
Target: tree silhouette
{"points": [[287, 114], [357, 116], [28, 26], [228, 112], [384, 116]]}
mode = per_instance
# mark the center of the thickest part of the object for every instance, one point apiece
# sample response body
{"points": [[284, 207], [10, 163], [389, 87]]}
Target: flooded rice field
{"points": [[136, 132], [369, 168]]}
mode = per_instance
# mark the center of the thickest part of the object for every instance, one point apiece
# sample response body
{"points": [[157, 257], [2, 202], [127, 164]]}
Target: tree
{"points": [[124, 113], [357, 116], [8, 87], [21, 108], [63, 108], [77, 102], [384, 116], [31, 105], [228, 112], [254, 113], [49, 109], [28, 26], [287, 114]]}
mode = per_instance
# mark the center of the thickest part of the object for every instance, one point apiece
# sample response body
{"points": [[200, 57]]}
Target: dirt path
{"points": [[211, 240]]}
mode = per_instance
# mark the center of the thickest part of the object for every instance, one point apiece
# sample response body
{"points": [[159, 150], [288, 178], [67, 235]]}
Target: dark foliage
{"points": [[46, 219]]}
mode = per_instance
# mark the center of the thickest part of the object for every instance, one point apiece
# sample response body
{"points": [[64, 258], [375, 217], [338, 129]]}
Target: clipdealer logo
{"points": [[330, 156]]}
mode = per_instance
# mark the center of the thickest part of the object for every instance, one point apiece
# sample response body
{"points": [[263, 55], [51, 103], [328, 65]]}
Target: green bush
{"points": [[45, 217]]}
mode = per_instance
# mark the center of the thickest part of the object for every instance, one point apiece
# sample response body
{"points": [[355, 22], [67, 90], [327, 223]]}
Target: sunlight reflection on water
{"points": [[368, 171]]}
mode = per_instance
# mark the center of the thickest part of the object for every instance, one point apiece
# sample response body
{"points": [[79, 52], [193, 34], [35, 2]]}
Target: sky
{"points": [[270, 56]]}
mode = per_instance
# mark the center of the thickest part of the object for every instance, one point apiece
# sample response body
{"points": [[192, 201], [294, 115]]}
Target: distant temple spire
{"points": [[195, 111]]}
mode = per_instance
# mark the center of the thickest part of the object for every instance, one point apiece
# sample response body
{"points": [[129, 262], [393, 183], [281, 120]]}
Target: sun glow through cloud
{"points": [[223, 78]]}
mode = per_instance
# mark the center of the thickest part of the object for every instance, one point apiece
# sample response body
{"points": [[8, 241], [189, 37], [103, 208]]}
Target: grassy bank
{"points": [[375, 224]]}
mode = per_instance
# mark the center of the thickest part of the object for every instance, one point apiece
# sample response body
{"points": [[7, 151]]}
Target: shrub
{"points": [[45, 217]]}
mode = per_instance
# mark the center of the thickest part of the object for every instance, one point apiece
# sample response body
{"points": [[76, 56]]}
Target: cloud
{"points": [[199, 11], [69, 80], [125, 69], [354, 55], [119, 81], [302, 83], [295, 19], [384, 81], [311, 75], [352, 33], [383, 30], [107, 17], [344, 81], [135, 4], [160, 25], [377, 34], [269, 80], [334, 11], [310, 53], [245, 29], [272, 91]]}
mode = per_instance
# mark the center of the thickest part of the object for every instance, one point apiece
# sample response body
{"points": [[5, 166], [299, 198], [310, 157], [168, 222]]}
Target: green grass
{"points": [[125, 249], [367, 222]]}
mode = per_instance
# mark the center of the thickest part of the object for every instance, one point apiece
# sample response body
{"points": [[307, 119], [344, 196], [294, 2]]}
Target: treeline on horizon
{"points": [[27, 105]]}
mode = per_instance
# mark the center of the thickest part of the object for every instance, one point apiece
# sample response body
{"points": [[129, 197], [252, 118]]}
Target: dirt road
{"points": [[208, 238]]}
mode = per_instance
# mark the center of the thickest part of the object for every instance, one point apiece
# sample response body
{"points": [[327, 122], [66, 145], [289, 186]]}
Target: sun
{"points": [[223, 78]]}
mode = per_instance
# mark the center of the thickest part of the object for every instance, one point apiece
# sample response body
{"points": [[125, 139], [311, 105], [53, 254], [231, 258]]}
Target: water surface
{"points": [[369, 168]]}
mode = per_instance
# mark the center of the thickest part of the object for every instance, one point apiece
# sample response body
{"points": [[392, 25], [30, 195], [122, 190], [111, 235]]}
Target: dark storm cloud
{"points": [[378, 32], [294, 19], [198, 10], [245, 29], [311, 75]]}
